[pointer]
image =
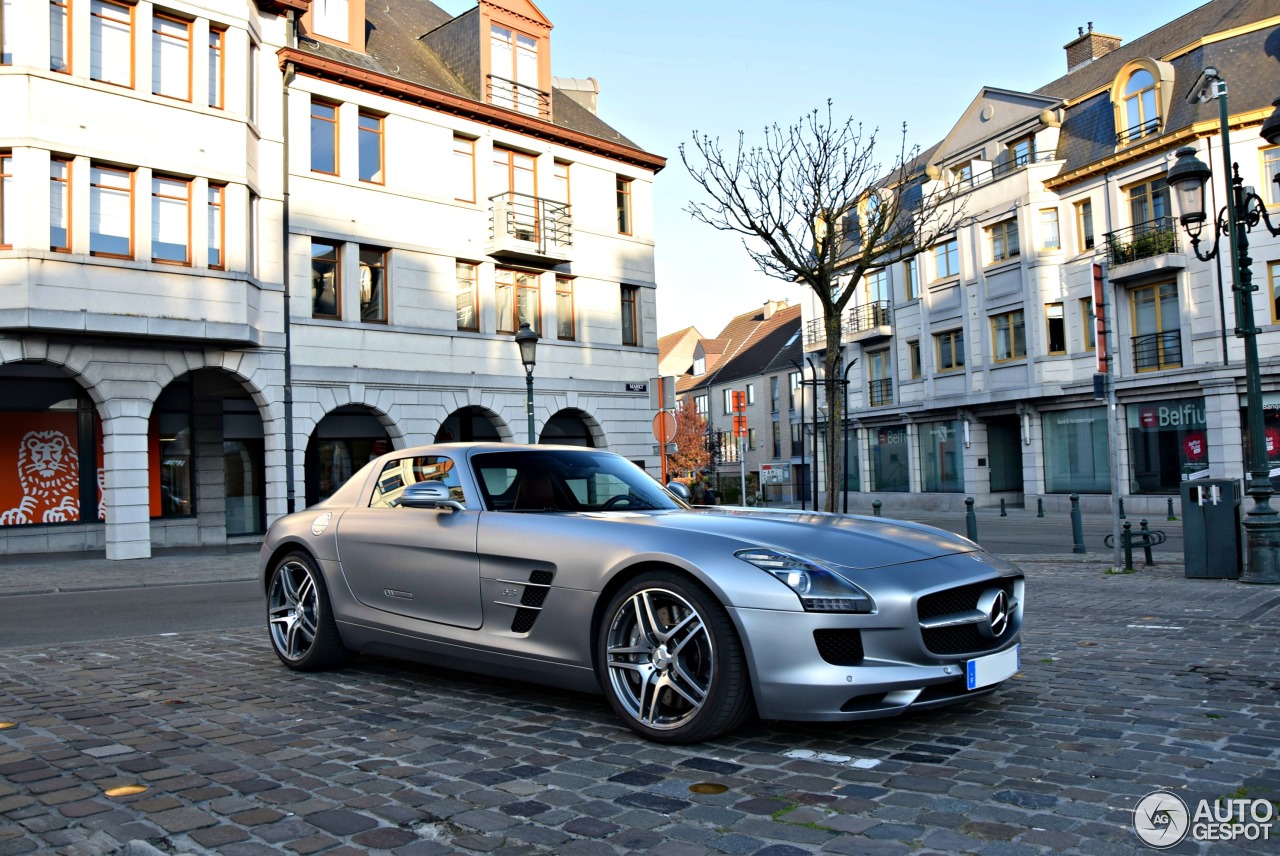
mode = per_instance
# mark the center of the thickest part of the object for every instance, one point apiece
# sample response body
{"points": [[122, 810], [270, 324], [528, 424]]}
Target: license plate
{"points": [[991, 669]]}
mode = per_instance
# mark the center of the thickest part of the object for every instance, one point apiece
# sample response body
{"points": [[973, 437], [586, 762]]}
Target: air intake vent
{"points": [[839, 647]]}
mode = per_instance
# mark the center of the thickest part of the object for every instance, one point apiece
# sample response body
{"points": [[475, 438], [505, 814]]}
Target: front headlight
{"points": [[819, 589]]}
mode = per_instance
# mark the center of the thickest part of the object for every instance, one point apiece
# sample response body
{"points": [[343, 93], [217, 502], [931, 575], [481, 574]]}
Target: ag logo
{"points": [[1161, 819]]}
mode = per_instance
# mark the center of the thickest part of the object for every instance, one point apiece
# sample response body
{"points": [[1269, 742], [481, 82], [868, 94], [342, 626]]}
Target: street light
{"points": [[1243, 211], [528, 342]]}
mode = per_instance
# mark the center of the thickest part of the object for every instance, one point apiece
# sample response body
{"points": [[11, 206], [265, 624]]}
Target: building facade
{"points": [[977, 356], [246, 247]]}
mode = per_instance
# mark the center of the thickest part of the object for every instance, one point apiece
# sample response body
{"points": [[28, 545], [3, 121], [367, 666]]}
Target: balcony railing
{"points": [[521, 224], [868, 316], [1154, 351], [999, 171], [1137, 132], [519, 97], [1143, 241], [815, 332], [880, 392]]}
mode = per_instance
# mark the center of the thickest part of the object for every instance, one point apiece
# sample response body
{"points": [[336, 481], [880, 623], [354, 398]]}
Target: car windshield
{"points": [[564, 480]]}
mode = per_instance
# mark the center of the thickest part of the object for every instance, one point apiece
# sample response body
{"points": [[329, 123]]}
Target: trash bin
{"points": [[1211, 528]]}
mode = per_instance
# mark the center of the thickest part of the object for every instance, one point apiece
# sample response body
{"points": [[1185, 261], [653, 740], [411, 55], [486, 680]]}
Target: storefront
{"points": [[1077, 454], [1168, 444], [890, 459], [1271, 434]]}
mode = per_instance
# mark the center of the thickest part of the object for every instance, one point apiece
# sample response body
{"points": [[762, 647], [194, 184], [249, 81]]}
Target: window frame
{"points": [[1269, 157], [94, 6], [629, 308], [66, 34], [950, 343], [473, 285], [217, 56], [1085, 237], [96, 188], [336, 261], [1149, 198], [1050, 229], [157, 40], [334, 136], [217, 214], [622, 186], [1007, 233], [6, 188], [382, 264], [469, 155], [560, 177], [1090, 328], [158, 183], [1273, 275], [379, 136], [1017, 160], [950, 251], [913, 360], [522, 283], [65, 181], [911, 277], [1013, 319], [1157, 301], [564, 289], [1061, 319]]}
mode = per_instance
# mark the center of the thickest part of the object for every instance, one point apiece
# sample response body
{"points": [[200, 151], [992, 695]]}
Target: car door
{"points": [[420, 563]]}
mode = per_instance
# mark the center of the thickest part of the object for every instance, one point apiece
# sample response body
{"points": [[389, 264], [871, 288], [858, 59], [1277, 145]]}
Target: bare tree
{"points": [[815, 205]]}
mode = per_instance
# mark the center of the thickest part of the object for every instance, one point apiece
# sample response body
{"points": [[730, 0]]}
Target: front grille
{"points": [[960, 599], [839, 647], [961, 638]]}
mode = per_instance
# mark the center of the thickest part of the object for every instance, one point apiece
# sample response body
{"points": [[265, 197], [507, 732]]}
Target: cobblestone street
{"points": [[1129, 684]]}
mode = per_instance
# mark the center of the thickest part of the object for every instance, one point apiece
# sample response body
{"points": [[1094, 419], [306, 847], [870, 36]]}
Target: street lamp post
{"points": [[1243, 211], [528, 342]]}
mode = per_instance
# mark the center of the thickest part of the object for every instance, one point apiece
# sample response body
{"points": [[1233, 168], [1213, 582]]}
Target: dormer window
{"points": [[330, 18], [1140, 96], [514, 77], [1140, 113]]}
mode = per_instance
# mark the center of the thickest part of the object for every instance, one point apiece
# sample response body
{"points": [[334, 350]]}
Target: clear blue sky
{"points": [[668, 68]]}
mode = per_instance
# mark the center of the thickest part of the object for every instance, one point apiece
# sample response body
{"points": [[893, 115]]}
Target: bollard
{"points": [[1077, 526], [1039, 506], [1126, 537], [1171, 514], [1120, 501], [970, 519], [1003, 513], [1145, 534], [875, 507]]}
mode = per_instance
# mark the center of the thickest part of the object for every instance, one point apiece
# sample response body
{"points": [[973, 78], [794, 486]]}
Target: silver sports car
{"points": [[572, 567]]}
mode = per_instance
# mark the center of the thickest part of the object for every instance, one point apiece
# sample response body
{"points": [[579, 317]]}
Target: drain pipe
{"points": [[290, 491]]}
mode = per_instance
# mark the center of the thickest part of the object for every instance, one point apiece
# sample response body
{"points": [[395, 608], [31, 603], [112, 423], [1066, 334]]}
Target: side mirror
{"points": [[428, 494], [680, 489]]}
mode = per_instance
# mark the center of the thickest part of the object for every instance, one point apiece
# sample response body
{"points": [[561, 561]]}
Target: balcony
{"points": [[880, 392], [529, 229], [1145, 249], [869, 322], [1138, 132], [1156, 351], [519, 97]]}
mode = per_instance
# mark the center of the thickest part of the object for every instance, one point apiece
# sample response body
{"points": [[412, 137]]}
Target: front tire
{"points": [[672, 665], [300, 616]]}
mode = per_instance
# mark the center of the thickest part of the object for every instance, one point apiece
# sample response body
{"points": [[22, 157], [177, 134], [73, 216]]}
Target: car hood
{"points": [[853, 542]]}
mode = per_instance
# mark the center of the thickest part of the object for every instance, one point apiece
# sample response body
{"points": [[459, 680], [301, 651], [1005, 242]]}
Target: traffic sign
{"points": [[664, 426]]}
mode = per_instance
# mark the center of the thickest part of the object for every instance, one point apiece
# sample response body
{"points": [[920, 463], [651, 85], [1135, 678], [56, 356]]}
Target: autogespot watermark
{"points": [[1162, 819]]}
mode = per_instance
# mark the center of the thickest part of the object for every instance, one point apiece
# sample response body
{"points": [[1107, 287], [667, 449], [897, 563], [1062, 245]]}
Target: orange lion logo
{"points": [[48, 472]]}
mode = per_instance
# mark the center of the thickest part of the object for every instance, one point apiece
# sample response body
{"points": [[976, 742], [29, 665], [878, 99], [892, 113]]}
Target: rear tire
{"points": [[671, 663], [300, 616]]}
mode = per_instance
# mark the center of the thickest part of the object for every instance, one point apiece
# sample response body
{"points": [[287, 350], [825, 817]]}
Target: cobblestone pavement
{"points": [[1129, 683]]}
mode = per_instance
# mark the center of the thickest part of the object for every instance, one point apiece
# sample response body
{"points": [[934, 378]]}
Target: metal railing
{"points": [[531, 218], [868, 316], [815, 332], [519, 97], [880, 392], [1000, 170], [1142, 241], [1137, 132], [1161, 350]]}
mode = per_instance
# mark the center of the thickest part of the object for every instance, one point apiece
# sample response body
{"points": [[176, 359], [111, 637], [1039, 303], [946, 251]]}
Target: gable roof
{"points": [[753, 342]]}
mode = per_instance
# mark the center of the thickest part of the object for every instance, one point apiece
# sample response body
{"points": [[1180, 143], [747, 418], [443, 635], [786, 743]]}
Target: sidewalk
{"points": [[64, 572]]}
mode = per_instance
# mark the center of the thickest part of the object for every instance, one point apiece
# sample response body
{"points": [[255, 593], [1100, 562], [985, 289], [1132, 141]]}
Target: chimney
{"points": [[1089, 46], [772, 306], [585, 91]]}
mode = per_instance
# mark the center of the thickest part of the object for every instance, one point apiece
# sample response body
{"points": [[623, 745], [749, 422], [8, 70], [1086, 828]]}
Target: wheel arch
{"points": [[281, 550]]}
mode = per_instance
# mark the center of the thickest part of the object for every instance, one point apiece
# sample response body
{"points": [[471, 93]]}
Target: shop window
{"points": [[941, 456], [889, 459], [1077, 446], [1168, 444]]}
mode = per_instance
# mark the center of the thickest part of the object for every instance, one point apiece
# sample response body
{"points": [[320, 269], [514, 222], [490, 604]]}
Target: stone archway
{"points": [[472, 424], [346, 439], [573, 427]]}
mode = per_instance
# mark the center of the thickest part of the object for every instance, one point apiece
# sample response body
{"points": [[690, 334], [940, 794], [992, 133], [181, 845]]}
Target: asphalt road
{"points": [[72, 617]]}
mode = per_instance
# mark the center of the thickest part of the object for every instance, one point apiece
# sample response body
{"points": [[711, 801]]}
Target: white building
{"points": [[245, 247], [976, 358]]}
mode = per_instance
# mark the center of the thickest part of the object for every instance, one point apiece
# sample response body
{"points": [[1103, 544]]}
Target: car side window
{"points": [[398, 474]]}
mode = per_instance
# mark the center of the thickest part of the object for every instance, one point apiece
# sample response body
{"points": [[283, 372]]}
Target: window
{"points": [[880, 375], [962, 174], [941, 456], [560, 181], [1270, 172], [110, 212], [1084, 224], [950, 348], [464, 169], [751, 393], [793, 383], [946, 259], [1148, 201], [624, 205], [702, 405], [1009, 336], [519, 300], [110, 42], [1055, 328], [217, 225], [7, 218], [171, 57], [6, 43], [371, 148], [1089, 323], [773, 395], [170, 220], [1157, 336], [329, 19], [1050, 239], [217, 68], [699, 365], [1139, 107], [797, 439], [324, 137], [514, 81], [877, 284], [60, 205], [1273, 274], [728, 401], [60, 35], [468, 311], [515, 174], [373, 285], [255, 220], [1023, 151], [1003, 238], [751, 439], [398, 474], [913, 358], [564, 308], [326, 280], [912, 275], [630, 315], [777, 439], [1081, 461], [253, 82]]}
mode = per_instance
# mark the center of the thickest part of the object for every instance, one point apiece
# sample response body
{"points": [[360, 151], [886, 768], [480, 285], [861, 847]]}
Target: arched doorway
{"points": [[572, 428], [343, 442], [472, 424]]}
